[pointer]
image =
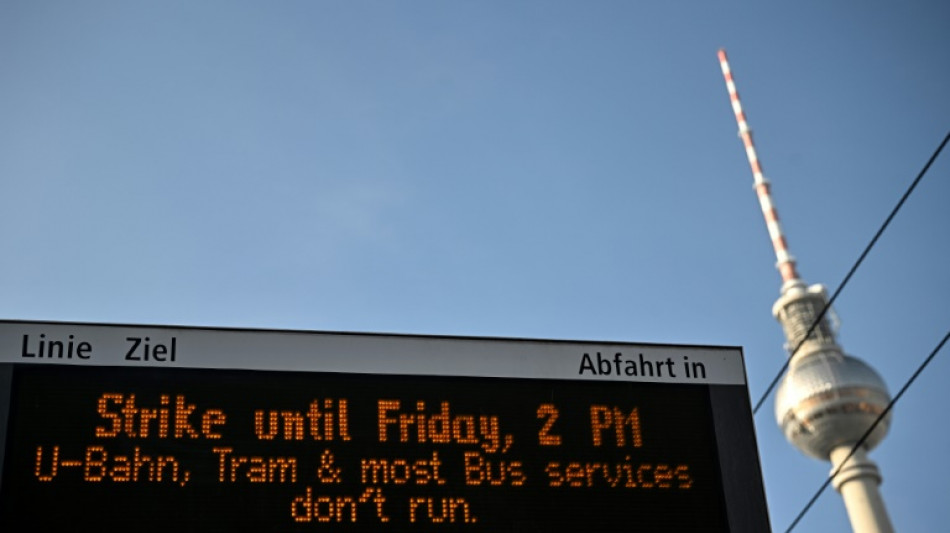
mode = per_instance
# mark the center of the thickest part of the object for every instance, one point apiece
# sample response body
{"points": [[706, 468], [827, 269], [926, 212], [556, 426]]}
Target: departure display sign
{"points": [[152, 428]]}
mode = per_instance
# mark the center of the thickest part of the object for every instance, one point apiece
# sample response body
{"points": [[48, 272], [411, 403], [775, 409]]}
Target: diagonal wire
{"points": [[844, 282], [867, 433]]}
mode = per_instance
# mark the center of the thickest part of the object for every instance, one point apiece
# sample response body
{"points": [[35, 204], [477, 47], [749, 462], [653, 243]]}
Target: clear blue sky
{"points": [[532, 169]]}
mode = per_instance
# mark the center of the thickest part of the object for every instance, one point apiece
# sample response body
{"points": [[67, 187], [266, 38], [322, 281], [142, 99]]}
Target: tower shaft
{"points": [[858, 484]]}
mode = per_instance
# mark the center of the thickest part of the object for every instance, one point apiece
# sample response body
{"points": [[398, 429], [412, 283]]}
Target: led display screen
{"points": [[532, 436]]}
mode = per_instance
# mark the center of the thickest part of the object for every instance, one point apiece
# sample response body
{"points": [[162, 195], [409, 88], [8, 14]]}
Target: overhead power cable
{"points": [[867, 433], [851, 272]]}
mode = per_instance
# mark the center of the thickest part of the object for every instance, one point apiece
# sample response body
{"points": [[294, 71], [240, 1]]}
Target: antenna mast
{"points": [[785, 261]]}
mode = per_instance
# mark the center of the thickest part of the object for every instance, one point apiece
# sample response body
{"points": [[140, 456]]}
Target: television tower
{"points": [[827, 400]]}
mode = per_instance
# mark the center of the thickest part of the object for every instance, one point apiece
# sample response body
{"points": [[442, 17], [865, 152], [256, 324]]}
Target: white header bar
{"points": [[297, 351]]}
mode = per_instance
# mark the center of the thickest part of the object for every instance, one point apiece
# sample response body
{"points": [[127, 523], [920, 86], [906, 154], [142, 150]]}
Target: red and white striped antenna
{"points": [[785, 261]]}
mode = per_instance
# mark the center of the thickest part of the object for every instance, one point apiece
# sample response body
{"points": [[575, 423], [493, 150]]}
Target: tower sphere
{"points": [[829, 399]]}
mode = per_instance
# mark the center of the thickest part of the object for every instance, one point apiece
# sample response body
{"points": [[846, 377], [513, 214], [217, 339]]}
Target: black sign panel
{"points": [[134, 448]]}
